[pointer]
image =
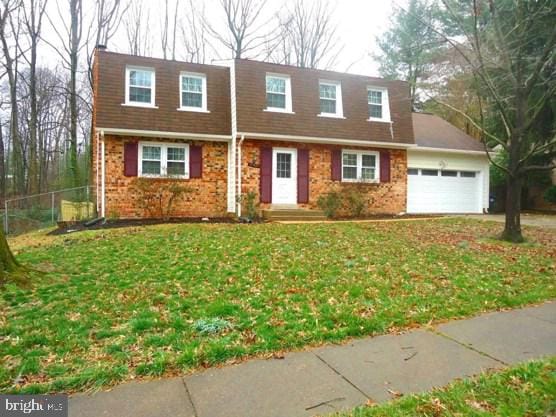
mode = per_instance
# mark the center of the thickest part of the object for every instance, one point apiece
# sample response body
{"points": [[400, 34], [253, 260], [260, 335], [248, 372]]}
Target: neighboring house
{"points": [[287, 134]]}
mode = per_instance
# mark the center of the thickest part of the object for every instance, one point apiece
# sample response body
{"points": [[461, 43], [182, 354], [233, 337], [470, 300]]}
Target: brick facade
{"points": [[208, 196], [380, 198]]}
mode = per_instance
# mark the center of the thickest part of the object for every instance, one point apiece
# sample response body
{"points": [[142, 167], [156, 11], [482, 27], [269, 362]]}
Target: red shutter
{"points": [[195, 162], [130, 158], [336, 165], [384, 166], [302, 175], [266, 175]]}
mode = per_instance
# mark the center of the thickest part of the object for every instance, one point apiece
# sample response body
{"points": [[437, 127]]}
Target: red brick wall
{"points": [[380, 198], [208, 196]]}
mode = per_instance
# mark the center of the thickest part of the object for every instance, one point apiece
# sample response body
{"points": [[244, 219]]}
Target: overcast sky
{"points": [[358, 21]]}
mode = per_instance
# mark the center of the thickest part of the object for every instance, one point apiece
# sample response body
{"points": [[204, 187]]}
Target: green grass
{"points": [[138, 301], [525, 390]]}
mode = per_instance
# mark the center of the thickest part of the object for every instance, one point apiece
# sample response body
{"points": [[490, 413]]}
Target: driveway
{"points": [[539, 220]]}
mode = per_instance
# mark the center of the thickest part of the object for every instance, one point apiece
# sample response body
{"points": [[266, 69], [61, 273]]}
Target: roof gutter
{"points": [[330, 141], [163, 134], [443, 150]]}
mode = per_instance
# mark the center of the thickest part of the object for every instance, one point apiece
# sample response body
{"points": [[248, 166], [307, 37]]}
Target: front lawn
{"points": [[525, 390], [135, 302]]}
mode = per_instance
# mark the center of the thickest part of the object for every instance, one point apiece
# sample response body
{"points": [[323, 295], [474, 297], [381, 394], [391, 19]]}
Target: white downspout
{"points": [[103, 178], [239, 195], [231, 176]]}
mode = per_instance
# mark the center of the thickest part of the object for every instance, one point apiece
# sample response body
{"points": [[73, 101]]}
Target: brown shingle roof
{"points": [[434, 132]]}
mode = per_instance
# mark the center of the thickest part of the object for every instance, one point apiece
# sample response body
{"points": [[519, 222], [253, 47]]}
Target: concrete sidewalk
{"points": [[331, 378], [527, 219]]}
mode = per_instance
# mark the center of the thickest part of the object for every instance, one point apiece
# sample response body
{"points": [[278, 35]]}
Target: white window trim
{"points": [[127, 102], [288, 81], [203, 77], [385, 105], [360, 154], [339, 104], [163, 159]]}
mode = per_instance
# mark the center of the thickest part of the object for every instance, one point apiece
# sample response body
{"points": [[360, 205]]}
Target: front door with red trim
{"points": [[284, 176]]}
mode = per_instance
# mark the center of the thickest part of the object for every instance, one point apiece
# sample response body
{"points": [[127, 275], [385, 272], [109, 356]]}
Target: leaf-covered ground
{"points": [[122, 304], [525, 390]]}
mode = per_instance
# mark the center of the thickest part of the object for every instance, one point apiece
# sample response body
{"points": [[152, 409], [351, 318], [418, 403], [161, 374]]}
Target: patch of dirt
{"points": [[119, 223]]}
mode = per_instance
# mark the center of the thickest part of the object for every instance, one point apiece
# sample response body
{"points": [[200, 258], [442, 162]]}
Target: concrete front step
{"points": [[293, 214], [296, 219]]}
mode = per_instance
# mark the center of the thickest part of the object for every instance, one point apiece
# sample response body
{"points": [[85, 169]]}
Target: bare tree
{"points": [[9, 38], [309, 35], [135, 27], [509, 47], [73, 41], [33, 12], [2, 164], [164, 31], [108, 17], [247, 30], [76, 32], [194, 34]]}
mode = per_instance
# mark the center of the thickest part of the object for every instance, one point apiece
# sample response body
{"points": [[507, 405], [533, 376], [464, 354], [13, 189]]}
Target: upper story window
{"points": [[163, 159], [278, 93], [193, 92], [330, 94], [140, 86], [360, 166], [379, 108]]}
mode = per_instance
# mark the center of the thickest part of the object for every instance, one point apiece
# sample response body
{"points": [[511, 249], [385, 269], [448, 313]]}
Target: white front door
{"points": [[284, 176]]}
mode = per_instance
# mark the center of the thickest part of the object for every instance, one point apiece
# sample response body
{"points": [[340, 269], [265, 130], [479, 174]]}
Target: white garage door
{"points": [[443, 191]]}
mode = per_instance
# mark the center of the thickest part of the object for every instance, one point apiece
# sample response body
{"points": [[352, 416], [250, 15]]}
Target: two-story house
{"points": [[288, 134]]}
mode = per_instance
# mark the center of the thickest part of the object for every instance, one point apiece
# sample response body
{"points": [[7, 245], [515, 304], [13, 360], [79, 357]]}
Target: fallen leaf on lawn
{"points": [[395, 394]]}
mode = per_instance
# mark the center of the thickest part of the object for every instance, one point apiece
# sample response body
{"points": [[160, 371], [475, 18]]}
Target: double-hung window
{"points": [[278, 93], [377, 100], [360, 166], [193, 92], [330, 94], [140, 86], [163, 160]]}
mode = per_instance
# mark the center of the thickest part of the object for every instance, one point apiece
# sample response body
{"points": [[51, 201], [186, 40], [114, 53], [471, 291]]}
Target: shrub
{"points": [[330, 203], [158, 197], [550, 194], [251, 206], [355, 202]]}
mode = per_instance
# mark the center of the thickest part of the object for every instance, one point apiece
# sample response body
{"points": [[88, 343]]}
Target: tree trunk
{"points": [[2, 166], [512, 228], [33, 156], [74, 48], [8, 263]]}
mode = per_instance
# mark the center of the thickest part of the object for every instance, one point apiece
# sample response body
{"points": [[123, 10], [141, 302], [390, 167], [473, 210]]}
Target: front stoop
{"points": [[290, 214]]}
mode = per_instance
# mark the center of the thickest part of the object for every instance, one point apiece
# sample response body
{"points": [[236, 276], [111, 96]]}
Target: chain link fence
{"points": [[33, 212]]}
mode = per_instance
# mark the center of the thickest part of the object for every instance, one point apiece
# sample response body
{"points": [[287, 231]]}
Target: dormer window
{"points": [[140, 86], [278, 93], [193, 92], [377, 100], [330, 93]]}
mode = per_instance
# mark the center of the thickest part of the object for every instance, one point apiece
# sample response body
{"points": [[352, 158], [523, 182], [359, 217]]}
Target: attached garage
{"points": [[448, 171]]}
